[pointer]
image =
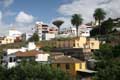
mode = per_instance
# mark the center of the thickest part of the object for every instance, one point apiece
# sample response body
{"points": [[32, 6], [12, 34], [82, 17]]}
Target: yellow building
{"points": [[70, 65], [80, 42], [94, 44], [7, 40]]}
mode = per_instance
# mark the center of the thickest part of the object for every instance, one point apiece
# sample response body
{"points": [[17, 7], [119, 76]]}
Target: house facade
{"points": [[44, 31], [33, 55], [11, 60], [15, 33], [72, 66], [84, 30], [13, 56], [77, 42], [7, 40], [48, 36]]}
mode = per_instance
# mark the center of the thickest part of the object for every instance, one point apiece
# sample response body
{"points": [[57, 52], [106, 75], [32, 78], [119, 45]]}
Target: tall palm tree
{"points": [[58, 23], [99, 15], [76, 21]]}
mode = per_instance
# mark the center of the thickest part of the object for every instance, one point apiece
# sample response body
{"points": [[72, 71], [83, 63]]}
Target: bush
{"points": [[32, 71]]}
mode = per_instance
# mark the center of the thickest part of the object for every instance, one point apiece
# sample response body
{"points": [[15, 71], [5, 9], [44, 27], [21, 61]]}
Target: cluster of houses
{"points": [[11, 57], [45, 32], [12, 37], [71, 54], [73, 66]]}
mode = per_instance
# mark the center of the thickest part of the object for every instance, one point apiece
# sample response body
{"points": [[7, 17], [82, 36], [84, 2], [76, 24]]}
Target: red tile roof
{"points": [[31, 53], [65, 59]]}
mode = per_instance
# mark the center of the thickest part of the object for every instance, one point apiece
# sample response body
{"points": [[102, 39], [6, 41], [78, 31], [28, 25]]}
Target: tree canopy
{"points": [[30, 71], [58, 23], [34, 38], [76, 21], [99, 14], [105, 28], [108, 66]]}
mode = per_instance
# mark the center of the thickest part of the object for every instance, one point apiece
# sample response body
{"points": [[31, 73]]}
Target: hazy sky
{"points": [[22, 14]]}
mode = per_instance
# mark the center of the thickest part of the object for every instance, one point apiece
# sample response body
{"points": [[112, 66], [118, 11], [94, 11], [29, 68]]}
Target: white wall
{"points": [[11, 51], [84, 30], [14, 33], [13, 63], [48, 36], [42, 57], [31, 46]]}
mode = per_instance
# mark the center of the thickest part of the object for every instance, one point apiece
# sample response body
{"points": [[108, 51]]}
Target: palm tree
{"points": [[99, 15], [76, 21], [58, 23]]}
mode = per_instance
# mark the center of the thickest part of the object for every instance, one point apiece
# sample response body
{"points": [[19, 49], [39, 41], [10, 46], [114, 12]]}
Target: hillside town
{"points": [[81, 51], [72, 52]]}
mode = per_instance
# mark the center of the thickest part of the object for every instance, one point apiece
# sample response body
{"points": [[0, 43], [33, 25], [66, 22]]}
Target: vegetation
{"points": [[63, 39], [76, 21], [47, 48], [117, 22], [12, 45], [44, 44], [108, 66], [34, 38], [108, 57], [105, 28], [58, 23], [32, 71], [99, 15]]}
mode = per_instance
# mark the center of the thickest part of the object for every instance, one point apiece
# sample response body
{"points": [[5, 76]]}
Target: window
{"points": [[5, 54], [58, 65], [74, 44], [80, 65], [78, 44], [6, 39], [67, 66], [10, 59], [64, 45], [14, 59], [92, 44], [10, 40]]}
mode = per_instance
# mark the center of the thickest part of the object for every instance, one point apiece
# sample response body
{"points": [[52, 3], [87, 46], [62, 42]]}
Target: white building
{"points": [[53, 30], [42, 57], [38, 56], [33, 55], [14, 33], [84, 30], [44, 31], [48, 36], [9, 57], [28, 35], [38, 29], [70, 31], [67, 32], [12, 37]]}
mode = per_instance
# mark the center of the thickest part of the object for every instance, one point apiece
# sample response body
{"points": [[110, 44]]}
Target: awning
{"points": [[86, 71]]}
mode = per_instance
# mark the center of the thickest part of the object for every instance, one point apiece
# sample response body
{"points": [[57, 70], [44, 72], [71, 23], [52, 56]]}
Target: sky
{"points": [[22, 14]]}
